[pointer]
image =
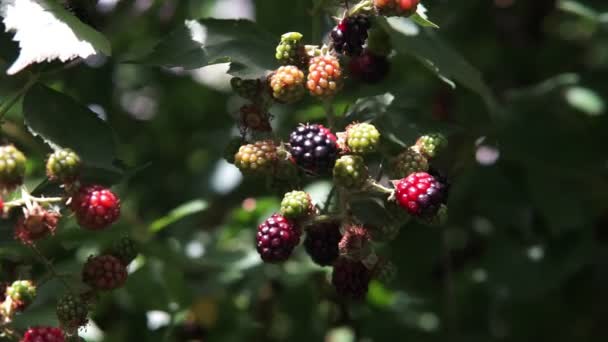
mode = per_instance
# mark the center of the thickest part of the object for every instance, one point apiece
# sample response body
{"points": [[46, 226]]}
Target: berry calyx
{"points": [[43, 334], [22, 293], [351, 278], [96, 207], [276, 238], [355, 244], [350, 172], [431, 144], [287, 84], [63, 166], [296, 204], [369, 67], [314, 148], [408, 162], [420, 194], [291, 51], [12, 167], [124, 250], [403, 8], [104, 272], [349, 35], [36, 223], [362, 138], [324, 76], [321, 242], [257, 158], [254, 118], [72, 312]]}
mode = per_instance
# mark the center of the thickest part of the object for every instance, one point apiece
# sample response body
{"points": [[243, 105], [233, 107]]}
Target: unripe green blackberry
{"points": [[72, 312], [296, 204], [63, 166], [232, 148], [287, 84], [408, 162], [291, 51], [350, 172], [124, 250], [431, 144], [257, 158], [12, 167], [22, 293], [362, 138]]}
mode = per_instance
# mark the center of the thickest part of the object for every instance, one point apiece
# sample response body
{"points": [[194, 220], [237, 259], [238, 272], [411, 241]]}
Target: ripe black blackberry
{"points": [[276, 238], [350, 35], [351, 278], [314, 148], [321, 242]]}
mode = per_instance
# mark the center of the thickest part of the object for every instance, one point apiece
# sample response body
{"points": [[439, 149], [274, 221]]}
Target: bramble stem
{"points": [[379, 187], [49, 266]]}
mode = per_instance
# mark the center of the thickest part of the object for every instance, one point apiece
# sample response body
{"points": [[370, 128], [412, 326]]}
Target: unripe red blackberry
{"points": [[324, 76], [12, 167], [431, 144], [296, 204], [63, 166], [22, 293], [403, 8], [124, 249], [276, 238], [349, 35], [104, 272], [350, 172], [253, 117], [72, 312], [362, 138], [36, 223], [355, 244], [408, 162], [321, 242], [96, 207], [291, 51], [369, 68], [351, 278], [259, 157], [420, 194], [287, 84], [43, 334], [314, 148]]}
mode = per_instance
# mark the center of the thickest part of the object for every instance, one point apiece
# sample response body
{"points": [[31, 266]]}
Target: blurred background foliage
{"points": [[523, 257]]}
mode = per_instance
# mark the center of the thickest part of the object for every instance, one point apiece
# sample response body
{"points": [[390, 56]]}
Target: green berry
{"points": [[350, 172], [431, 144], [362, 138], [408, 162], [257, 158], [296, 204], [71, 312], [22, 294], [63, 166], [12, 167], [290, 50], [124, 250]]}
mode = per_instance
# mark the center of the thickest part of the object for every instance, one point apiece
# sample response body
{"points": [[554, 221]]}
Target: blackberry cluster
{"points": [[314, 148], [349, 36]]}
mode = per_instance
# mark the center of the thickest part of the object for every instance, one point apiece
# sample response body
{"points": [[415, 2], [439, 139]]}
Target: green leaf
{"points": [[63, 122], [186, 209], [436, 55], [576, 8], [204, 42], [422, 19]]}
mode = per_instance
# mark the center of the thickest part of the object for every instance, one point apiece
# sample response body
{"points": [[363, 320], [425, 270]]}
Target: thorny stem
{"points": [[329, 111], [379, 187], [26, 198], [330, 196], [50, 267]]}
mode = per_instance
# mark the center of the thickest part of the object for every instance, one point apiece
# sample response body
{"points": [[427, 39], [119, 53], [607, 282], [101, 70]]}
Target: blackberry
{"points": [[362, 138], [355, 243], [408, 162], [276, 238], [291, 51], [350, 172], [287, 84], [22, 294], [314, 148], [124, 249], [350, 35], [351, 278], [321, 242], [96, 207], [369, 67], [36, 223], [72, 312], [420, 194], [259, 157], [43, 334], [63, 166], [431, 144], [296, 204], [324, 76], [104, 272], [12, 167]]}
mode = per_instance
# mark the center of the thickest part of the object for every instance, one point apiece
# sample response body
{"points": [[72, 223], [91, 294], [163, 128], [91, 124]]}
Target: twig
{"points": [[379, 187], [50, 267], [330, 196], [329, 112]]}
